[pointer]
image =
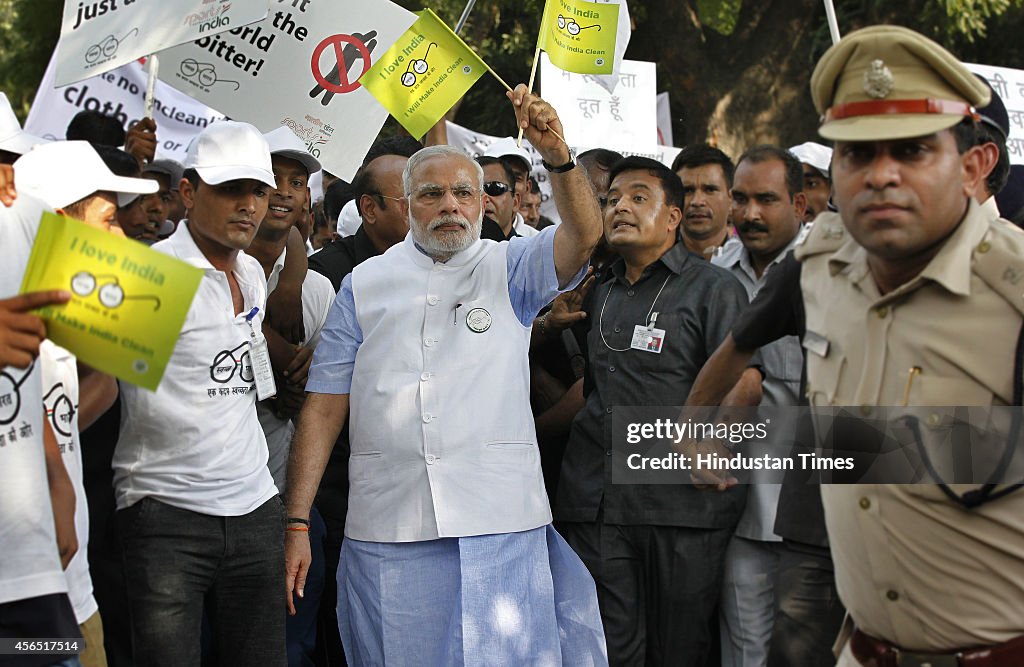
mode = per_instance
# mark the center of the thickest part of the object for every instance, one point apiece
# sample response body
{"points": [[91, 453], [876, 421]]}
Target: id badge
{"points": [[262, 371], [259, 355], [647, 339]]}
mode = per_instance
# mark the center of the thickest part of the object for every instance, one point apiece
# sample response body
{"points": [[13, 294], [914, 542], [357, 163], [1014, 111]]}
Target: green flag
{"points": [[579, 36], [423, 74]]}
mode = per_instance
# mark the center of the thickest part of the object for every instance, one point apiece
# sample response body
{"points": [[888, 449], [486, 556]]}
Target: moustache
{"points": [[745, 227], [449, 219]]}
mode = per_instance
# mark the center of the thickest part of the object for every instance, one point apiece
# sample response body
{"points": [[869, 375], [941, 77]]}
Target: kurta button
{"points": [[882, 312], [427, 418], [607, 452], [892, 595], [433, 300], [428, 342], [631, 293], [865, 411], [865, 503], [984, 247], [431, 459], [425, 376], [608, 410], [611, 369], [933, 419], [618, 329]]}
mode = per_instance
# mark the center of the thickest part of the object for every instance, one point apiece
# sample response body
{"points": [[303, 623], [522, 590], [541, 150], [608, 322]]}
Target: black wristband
{"points": [[562, 168], [295, 519]]}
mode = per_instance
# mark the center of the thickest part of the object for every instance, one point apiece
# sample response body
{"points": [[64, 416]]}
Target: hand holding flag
{"points": [[540, 124]]}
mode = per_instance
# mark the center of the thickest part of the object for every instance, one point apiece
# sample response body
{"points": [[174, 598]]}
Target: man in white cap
{"points": [[71, 177], [817, 183], [14, 141], [517, 160], [200, 521], [74, 179], [37, 497]]}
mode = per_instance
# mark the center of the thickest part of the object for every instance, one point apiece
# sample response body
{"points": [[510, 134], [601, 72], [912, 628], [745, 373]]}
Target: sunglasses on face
{"points": [[496, 188]]}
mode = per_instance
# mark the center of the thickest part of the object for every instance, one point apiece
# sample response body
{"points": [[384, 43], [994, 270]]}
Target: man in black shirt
{"points": [[655, 551], [378, 189]]}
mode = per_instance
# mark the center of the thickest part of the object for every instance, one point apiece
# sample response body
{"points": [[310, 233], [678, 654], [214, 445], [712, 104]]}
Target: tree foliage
{"points": [[737, 71], [28, 32]]}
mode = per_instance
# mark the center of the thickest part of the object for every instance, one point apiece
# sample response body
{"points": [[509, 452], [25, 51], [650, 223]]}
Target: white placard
{"points": [[475, 143], [664, 121], [1009, 85], [120, 93], [97, 36], [298, 82], [591, 115]]}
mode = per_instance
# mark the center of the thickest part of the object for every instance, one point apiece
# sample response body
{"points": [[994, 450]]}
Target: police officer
{"points": [[893, 318]]}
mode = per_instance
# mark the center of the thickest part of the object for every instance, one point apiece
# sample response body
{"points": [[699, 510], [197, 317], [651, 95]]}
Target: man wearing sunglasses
{"points": [[501, 201]]}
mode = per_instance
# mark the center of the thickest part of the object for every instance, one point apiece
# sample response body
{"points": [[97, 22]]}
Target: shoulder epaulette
{"points": [[998, 259]]}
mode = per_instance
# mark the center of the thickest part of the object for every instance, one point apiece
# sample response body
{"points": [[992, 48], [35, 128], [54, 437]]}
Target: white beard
{"points": [[444, 245]]}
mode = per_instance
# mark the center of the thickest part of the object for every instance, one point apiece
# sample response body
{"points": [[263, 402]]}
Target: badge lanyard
{"points": [[263, 372], [646, 334]]}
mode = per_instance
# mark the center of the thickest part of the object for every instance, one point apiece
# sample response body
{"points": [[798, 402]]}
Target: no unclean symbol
{"points": [[347, 50]]}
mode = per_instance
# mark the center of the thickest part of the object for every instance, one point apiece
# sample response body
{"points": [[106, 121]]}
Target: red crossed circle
{"points": [[345, 86]]}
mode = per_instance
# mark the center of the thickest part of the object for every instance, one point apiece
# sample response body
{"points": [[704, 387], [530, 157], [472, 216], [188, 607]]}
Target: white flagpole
{"points": [[152, 67], [833, 24], [465, 15]]}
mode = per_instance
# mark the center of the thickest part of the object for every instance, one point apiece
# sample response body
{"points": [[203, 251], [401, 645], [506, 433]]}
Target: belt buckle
{"points": [[911, 659]]}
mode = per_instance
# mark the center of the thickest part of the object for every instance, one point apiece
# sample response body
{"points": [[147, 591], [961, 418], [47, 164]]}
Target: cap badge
{"points": [[878, 80]]}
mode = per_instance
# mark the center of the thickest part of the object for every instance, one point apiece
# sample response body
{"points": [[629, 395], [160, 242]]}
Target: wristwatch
{"points": [[562, 168]]}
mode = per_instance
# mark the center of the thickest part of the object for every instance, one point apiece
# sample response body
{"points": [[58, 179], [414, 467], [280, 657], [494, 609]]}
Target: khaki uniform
{"points": [[912, 567]]}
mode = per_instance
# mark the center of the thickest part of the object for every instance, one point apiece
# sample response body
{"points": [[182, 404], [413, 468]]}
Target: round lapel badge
{"points": [[478, 320]]}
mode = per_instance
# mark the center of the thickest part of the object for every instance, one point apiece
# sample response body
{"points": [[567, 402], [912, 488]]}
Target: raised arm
{"points": [[577, 236]]}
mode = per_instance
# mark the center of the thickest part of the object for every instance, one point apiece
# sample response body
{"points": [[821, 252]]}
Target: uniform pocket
{"points": [[825, 368]]}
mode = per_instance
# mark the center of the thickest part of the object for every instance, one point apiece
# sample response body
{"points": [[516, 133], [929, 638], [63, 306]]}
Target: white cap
{"points": [[316, 186], [63, 172], [285, 143], [507, 146], [349, 220], [13, 139], [814, 154], [227, 151]]}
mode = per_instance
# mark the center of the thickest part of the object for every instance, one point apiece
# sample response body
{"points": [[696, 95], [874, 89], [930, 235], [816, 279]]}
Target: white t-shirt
{"points": [[60, 398], [195, 443], [29, 561], [317, 297]]}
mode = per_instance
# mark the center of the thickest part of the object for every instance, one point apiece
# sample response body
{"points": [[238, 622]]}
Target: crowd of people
{"points": [[424, 475]]}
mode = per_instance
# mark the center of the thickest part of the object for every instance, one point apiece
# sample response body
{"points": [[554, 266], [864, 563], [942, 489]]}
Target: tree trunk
{"points": [[737, 91]]}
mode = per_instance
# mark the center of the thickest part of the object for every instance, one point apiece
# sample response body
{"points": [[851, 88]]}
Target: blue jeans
{"points": [[178, 562]]}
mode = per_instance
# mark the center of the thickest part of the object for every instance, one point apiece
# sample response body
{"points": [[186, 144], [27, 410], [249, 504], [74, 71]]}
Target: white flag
{"points": [[609, 81]]}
